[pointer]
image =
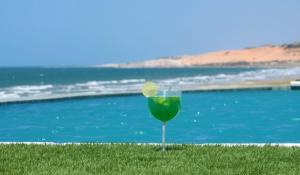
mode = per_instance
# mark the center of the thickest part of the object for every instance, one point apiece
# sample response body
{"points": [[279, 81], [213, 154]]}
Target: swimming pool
{"points": [[237, 116]]}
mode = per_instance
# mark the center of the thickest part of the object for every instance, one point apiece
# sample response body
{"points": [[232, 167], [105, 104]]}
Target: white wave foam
{"points": [[31, 88], [134, 85], [132, 81], [258, 75], [3, 95]]}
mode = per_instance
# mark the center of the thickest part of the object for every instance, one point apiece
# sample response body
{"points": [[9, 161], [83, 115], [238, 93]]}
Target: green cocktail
{"points": [[164, 108], [163, 104]]}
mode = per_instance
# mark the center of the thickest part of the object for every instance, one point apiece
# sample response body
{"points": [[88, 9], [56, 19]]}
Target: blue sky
{"points": [[73, 32]]}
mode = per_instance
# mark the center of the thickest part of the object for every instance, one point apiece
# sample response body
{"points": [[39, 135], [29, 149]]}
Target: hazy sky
{"points": [[87, 32]]}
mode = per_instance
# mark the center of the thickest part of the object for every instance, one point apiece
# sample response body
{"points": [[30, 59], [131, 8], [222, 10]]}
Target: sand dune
{"points": [[268, 55]]}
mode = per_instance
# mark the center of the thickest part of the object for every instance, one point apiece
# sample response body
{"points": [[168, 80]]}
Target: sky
{"points": [[92, 32]]}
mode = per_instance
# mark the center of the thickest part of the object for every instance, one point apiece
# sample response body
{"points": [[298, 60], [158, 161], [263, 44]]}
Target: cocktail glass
{"points": [[164, 106]]}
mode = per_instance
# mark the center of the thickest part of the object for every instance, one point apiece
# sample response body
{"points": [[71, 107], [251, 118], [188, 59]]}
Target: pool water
{"points": [[261, 116]]}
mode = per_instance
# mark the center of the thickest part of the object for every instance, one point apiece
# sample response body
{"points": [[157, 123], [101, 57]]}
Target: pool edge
{"points": [[132, 143]]}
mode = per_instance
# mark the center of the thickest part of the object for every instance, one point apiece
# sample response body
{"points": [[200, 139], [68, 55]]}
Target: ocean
{"points": [[18, 84], [231, 116]]}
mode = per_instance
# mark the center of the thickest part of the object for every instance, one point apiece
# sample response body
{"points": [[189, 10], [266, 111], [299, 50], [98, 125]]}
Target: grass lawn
{"points": [[147, 159]]}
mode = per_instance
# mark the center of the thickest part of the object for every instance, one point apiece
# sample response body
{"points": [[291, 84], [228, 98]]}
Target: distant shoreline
{"points": [[275, 64], [285, 55]]}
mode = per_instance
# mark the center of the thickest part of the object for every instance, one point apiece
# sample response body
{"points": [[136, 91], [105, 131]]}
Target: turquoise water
{"points": [[206, 117]]}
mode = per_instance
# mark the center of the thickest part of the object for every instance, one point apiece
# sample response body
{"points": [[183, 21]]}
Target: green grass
{"points": [[147, 159]]}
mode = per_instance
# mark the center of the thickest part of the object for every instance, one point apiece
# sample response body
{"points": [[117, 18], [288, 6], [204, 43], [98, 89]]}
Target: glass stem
{"points": [[163, 136]]}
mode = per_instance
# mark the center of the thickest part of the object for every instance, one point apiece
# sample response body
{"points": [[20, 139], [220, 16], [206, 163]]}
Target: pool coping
{"points": [[196, 144]]}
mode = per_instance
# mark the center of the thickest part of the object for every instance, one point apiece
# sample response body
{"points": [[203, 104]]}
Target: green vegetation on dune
{"points": [[292, 45], [147, 159]]}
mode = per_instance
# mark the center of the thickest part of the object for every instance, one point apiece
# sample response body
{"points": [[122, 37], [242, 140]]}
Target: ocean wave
{"points": [[27, 92], [31, 88]]}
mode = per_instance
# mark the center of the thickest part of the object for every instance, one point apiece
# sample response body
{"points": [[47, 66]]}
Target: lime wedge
{"points": [[149, 89], [163, 101]]}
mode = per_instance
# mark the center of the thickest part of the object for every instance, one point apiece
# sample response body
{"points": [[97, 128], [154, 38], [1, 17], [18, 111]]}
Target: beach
{"points": [[285, 55]]}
